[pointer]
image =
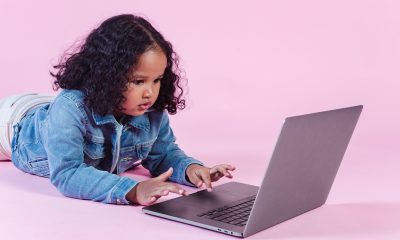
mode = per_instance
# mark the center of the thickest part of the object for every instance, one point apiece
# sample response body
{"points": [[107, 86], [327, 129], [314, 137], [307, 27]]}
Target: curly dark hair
{"points": [[100, 66]]}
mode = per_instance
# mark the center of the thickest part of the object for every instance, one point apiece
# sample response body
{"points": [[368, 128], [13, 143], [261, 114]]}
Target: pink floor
{"points": [[249, 64], [364, 203]]}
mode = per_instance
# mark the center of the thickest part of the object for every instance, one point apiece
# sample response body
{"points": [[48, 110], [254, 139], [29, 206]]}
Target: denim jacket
{"points": [[82, 152]]}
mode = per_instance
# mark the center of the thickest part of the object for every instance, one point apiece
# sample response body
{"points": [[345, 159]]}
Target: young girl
{"points": [[111, 116]]}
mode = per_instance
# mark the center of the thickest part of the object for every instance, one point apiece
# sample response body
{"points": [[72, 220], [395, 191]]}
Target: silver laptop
{"points": [[298, 179]]}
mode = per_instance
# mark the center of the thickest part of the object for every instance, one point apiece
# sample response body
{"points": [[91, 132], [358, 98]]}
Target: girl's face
{"points": [[145, 82]]}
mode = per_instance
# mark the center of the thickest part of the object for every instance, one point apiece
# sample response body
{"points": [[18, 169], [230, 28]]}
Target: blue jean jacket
{"points": [[82, 152]]}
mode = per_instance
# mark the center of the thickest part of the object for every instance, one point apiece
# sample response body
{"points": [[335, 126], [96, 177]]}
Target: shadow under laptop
{"points": [[359, 220]]}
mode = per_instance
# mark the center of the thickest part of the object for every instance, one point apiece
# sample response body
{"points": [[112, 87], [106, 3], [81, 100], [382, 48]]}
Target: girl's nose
{"points": [[147, 93]]}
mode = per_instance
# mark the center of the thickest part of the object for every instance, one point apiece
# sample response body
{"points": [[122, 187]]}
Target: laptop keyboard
{"points": [[236, 214]]}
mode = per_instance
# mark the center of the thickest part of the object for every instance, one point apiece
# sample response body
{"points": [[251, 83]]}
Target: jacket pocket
{"points": [[40, 167], [36, 159], [128, 159], [94, 147], [143, 149]]}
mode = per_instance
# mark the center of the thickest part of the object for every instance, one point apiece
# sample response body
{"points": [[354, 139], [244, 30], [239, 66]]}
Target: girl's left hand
{"points": [[198, 174]]}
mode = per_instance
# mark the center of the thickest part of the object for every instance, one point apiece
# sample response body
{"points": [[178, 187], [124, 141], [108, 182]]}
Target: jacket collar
{"points": [[141, 122]]}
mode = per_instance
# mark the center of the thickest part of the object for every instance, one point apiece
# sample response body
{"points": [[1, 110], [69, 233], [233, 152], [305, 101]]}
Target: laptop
{"points": [[298, 179]]}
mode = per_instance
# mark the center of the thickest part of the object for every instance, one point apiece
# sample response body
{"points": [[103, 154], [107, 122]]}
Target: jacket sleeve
{"points": [[165, 153], [68, 173]]}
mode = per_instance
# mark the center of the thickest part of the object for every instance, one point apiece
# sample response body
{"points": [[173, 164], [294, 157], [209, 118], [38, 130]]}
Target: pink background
{"points": [[249, 65]]}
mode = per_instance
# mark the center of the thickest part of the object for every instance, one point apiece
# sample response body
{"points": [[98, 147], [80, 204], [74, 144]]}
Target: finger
{"points": [[157, 193], [220, 171], [216, 176], [164, 176], [228, 174], [231, 167], [150, 201], [228, 167], [214, 169], [222, 168], [163, 189], [196, 180], [183, 192], [174, 188], [205, 176]]}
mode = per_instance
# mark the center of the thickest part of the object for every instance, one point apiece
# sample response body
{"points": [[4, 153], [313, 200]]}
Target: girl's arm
{"points": [[165, 153], [64, 147]]}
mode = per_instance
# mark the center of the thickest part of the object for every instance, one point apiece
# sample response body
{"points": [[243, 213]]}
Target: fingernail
{"points": [[181, 191], [209, 189]]}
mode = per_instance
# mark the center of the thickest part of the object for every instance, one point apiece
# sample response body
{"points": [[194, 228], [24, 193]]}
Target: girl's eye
{"points": [[139, 82], [136, 82]]}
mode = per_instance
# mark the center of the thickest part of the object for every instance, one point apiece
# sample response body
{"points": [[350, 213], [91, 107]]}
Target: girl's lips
{"points": [[144, 106]]}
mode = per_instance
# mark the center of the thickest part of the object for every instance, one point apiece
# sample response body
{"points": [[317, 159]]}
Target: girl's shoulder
{"points": [[72, 94], [70, 97], [69, 102]]}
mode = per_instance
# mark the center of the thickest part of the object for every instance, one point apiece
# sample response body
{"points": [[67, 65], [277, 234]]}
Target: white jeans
{"points": [[12, 110]]}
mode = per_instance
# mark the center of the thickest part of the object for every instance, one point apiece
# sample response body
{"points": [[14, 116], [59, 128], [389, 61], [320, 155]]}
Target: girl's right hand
{"points": [[147, 192]]}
